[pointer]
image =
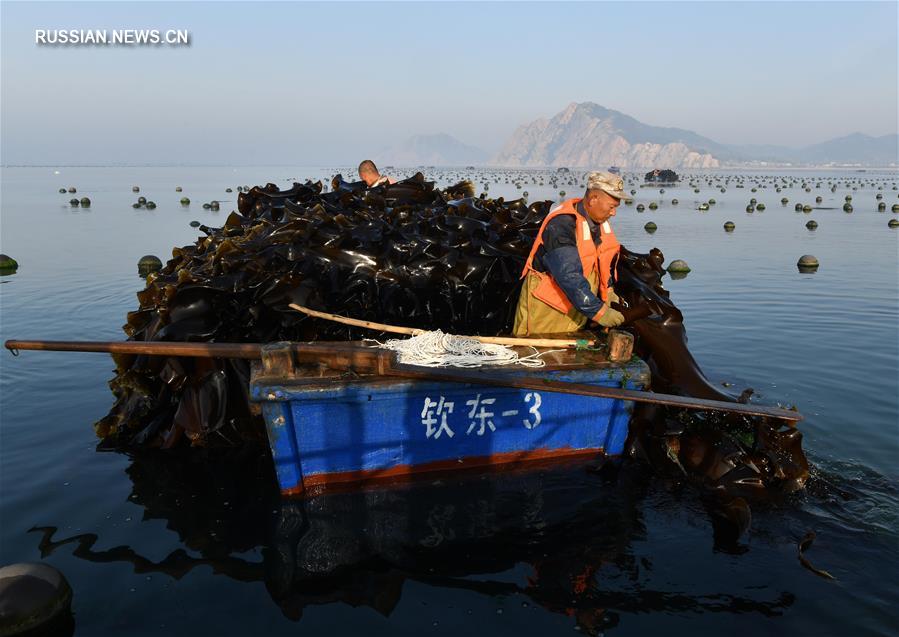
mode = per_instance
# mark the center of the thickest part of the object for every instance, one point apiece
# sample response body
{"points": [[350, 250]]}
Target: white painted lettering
{"points": [[534, 410], [480, 418], [429, 413]]}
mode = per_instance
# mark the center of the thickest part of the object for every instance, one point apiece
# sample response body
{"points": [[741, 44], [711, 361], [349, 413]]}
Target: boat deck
{"points": [[277, 369]]}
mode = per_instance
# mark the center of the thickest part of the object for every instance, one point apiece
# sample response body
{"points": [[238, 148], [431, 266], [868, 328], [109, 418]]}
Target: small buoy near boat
{"points": [[678, 265], [194, 224], [893, 223], [760, 207], [74, 202], [650, 227], [811, 225], [712, 202], [640, 207], [750, 208], [213, 205], [785, 201], [729, 226], [806, 208], [8, 263], [62, 191], [798, 207], [177, 188], [85, 202], [33, 597], [674, 202], [847, 207], [881, 207], [135, 188], [142, 200], [807, 262], [228, 190], [653, 205], [895, 207], [819, 199], [185, 201], [703, 207], [151, 205], [148, 264], [72, 189]]}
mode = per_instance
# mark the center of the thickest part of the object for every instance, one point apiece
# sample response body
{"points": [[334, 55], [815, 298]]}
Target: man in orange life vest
{"points": [[568, 275]]}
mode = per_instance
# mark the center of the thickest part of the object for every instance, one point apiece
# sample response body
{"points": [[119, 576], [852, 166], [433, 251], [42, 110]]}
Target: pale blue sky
{"points": [[313, 83]]}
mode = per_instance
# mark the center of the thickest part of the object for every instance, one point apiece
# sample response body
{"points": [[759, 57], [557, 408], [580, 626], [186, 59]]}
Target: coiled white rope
{"points": [[437, 349]]}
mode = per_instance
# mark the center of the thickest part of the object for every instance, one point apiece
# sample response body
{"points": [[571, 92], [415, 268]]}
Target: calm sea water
{"points": [[196, 544]]}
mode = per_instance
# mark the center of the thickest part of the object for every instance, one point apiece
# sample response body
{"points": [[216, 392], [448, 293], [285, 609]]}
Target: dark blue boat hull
{"points": [[324, 433]]}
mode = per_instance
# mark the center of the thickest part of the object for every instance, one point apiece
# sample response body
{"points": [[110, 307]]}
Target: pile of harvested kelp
{"points": [[404, 254]]}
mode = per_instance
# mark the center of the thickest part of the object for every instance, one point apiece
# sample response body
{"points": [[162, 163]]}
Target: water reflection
{"points": [[547, 536]]}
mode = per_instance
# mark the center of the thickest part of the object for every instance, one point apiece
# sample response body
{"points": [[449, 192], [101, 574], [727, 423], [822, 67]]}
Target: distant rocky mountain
{"points": [[432, 150], [590, 135]]}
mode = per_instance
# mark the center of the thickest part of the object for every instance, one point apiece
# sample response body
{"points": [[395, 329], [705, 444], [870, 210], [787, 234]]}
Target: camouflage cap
{"points": [[607, 182]]}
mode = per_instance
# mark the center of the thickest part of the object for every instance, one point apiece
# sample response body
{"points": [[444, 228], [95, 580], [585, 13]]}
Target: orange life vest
{"points": [[604, 256]]}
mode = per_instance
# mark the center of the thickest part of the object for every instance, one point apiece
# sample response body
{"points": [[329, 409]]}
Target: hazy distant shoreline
{"points": [[851, 167]]}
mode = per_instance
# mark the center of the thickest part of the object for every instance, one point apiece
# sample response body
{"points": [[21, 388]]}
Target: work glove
{"points": [[611, 297], [607, 317]]}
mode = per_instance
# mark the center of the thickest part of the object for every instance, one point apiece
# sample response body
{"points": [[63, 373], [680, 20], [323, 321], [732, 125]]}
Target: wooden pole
{"points": [[344, 355], [580, 389], [560, 343], [149, 348]]}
